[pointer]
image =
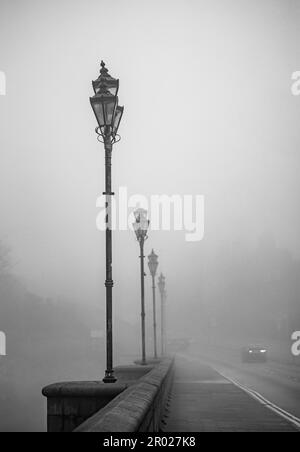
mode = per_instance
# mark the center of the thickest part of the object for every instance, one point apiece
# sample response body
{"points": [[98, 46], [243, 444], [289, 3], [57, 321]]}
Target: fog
{"points": [[209, 111]]}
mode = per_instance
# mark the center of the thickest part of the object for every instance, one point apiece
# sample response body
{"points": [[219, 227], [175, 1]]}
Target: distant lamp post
{"points": [[162, 289], [108, 114], [153, 264], [141, 226]]}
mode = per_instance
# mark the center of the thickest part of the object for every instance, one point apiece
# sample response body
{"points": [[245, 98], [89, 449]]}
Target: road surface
{"points": [[278, 383], [202, 400]]}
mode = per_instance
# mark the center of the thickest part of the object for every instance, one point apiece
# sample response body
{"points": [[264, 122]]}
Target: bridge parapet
{"points": [[136, 402], [139, 408]]}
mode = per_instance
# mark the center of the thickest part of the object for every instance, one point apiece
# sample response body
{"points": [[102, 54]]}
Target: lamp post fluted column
{"points": [[153, 264], [143, 314], [108, 114], [154, 318], [162, 325], [109, 373], [141, 226], [162, 286]]}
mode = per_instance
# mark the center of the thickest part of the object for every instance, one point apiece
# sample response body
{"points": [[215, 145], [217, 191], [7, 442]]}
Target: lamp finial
{"points": [[103, 70]]}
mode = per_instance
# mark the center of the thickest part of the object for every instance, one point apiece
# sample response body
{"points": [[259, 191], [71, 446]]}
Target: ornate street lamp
{"points": [[141, 226], [153, 264], [108, 115], [162, 289]]}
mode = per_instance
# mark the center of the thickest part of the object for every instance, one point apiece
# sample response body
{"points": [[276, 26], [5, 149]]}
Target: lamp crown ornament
{"points": [[111, 83]]}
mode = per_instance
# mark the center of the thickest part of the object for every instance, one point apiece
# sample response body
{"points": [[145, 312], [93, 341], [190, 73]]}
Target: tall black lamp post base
{"points": [[109, 377]]}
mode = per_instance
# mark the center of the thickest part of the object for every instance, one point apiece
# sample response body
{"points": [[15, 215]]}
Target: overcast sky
{"points": [[208, 110]]}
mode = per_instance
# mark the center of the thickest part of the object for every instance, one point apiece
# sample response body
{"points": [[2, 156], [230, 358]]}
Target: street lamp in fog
{"points": [[162, 290], [153, 264], [108, 114], [141, 226]]}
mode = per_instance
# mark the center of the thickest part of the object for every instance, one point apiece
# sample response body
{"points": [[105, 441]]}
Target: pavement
{"points": [[202, 400]]}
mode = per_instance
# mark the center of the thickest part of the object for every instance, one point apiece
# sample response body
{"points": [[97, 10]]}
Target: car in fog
{"points": [[254, 354]]}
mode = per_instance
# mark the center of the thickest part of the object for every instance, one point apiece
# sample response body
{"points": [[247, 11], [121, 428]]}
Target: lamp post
{"points": [[162, 287], [108, 114], [153, 264], [141, 226]]}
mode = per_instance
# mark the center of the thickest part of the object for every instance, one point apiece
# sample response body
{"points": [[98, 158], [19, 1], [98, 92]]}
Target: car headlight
{"points": [[263, 351]]}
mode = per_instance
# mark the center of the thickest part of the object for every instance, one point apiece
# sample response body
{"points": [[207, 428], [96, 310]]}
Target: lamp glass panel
{"points": [[109, 107], [118, 116], [98, 109]]}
